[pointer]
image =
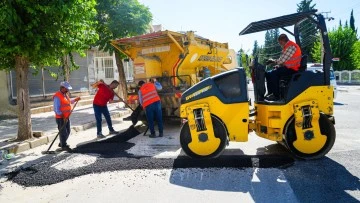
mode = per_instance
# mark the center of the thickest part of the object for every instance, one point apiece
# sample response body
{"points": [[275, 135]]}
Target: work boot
{"points": [[66, 149], [100, 136], [152, 136], [113, 132], [161, 135]]}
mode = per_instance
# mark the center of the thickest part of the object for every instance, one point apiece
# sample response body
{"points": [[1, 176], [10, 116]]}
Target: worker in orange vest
{"points": [[150, 101], [288, 64], [62, 109]]}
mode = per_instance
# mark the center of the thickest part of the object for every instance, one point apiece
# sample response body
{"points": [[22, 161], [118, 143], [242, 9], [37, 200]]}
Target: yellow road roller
{"points": [[218, 110]]}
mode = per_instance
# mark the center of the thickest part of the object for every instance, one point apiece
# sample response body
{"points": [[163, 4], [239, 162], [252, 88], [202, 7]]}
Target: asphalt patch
{"points": [[115, 146], [43, 174]]}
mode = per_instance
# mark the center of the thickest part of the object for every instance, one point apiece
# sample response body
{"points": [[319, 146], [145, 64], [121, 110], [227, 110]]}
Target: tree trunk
{"points": [[66, 68], [23, 99], [122, 91]]}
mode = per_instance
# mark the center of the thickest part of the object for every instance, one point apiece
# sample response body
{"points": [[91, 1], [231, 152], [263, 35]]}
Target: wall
{"points": [[5, 107]]}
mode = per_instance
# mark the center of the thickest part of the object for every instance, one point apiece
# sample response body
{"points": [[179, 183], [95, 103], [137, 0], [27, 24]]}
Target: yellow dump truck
{"points": [[177, 60]]}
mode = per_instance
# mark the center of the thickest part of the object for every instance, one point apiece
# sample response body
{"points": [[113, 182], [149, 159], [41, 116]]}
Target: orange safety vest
{"points": [[65, 106], [295, 60], [149, 94]]}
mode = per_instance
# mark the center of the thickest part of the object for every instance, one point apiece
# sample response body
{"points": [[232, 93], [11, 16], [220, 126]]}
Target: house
{"points": [[94, 66]]}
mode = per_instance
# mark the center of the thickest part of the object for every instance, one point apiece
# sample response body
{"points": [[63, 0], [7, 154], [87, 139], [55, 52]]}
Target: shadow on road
{"points": [[322, 180], [327, 180], [339, 104]]}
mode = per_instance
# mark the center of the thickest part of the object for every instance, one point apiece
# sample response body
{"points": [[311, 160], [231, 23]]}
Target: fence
{"points": [[43, 84], [348, 77]]}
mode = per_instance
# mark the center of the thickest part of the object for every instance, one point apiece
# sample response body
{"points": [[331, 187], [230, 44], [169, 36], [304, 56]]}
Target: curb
{"points": [[42, 140]]}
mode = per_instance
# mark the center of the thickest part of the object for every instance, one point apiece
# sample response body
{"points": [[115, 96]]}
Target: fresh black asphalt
{"points": [[113, 157]]}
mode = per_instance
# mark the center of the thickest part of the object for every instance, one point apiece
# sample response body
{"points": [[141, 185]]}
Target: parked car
{"points": [[318, 67]]}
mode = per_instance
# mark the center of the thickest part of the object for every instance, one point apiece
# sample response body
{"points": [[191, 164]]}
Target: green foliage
{"points": [[355, 55], [342, 41], [44, 31], [307, 29], [255, 48], [316, 52], [120, 18], [268, 44], [352, 21], [244, 60], [344, 45], [261, 59], [271, 49]]}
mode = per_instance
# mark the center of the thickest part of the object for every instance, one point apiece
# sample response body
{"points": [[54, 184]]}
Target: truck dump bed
{"points": [[177, 59]]}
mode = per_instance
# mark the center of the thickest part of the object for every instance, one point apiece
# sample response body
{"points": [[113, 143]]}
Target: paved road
{"points": [[155, 170]]}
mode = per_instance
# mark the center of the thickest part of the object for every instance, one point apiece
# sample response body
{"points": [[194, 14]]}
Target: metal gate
{"points": [[104, 67]]}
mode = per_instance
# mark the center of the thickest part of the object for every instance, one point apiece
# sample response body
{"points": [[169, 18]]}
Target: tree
{"points": [[343, 44], [118, 19], [272, 48], [267, 44], [255, 48], [240, 53], [261, 55], [276, 48], [316, 51], [352, 21], [355, 55], [37, 33], [307, 29]]}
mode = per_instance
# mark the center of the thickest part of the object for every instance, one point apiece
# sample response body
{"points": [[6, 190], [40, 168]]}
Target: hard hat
{"points": [[66, 85]]}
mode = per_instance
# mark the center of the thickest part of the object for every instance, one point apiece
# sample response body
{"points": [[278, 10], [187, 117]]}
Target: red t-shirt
{"points": [[103, 95]]}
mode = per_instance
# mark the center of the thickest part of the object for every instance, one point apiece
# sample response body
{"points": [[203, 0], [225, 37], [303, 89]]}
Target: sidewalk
{"points": [[44, 124], [348, 88]]}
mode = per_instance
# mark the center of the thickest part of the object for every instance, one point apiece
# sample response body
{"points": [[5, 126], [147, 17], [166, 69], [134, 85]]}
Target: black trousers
{"points": [[65, 131], [273, 77]]}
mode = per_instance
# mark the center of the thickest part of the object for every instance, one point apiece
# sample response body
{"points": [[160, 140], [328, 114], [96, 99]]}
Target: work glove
{"points": [[270, 61], [77, 98]]}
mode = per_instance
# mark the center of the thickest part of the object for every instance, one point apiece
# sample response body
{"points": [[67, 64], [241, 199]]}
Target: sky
{"points": [[222, 21]]}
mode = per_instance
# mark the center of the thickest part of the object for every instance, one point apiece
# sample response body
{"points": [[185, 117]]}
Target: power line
{"points": [[341, 13], [346, 10]]}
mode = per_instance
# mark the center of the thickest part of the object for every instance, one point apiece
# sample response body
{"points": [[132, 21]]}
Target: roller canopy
{"points": [[278, 22]]}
